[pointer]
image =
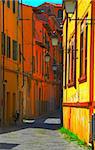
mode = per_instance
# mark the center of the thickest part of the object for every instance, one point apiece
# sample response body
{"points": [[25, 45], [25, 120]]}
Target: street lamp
{"points": [[54, 67], [54, 39], [47, 57], [69, 6]]}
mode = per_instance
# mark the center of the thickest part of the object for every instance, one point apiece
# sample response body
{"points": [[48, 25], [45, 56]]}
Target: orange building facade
{"points": [[11, 91], [42, 86], [28, 86]]}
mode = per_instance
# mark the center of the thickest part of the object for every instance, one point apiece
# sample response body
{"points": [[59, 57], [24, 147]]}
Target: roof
{"points": [[49, 3]]}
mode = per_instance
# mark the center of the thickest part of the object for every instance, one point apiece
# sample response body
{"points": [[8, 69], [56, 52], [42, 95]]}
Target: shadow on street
{"points": [[50, 122], [7, 145]]}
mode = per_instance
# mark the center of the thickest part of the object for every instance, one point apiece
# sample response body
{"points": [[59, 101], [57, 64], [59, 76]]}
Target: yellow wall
{"points": [[77, 119], [78, 94]]}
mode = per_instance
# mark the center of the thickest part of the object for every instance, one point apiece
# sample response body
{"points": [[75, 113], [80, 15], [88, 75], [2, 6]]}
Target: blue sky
{"points": [[39, 2]]}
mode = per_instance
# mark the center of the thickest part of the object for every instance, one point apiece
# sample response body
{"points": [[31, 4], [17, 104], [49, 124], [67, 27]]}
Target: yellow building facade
{"points": [[79, 69]]}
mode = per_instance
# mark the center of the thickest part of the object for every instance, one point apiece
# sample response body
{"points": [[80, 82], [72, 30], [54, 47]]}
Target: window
{"points": [[40, 61], [28, 87], [8, 47], [83, 49], [33, 27], [37, 61], [20, 54], [3, 43], [71, 64], [47, 67], [8, 3], [45, 38], [60, 13], [14, 103], [14, 6], [33, 64], [48, 45], [3, 1], [19, 10], [15, 52], [42, 64]]}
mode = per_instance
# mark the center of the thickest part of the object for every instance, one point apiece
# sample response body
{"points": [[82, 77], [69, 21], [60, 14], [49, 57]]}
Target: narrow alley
{"points": [[41, 134]]}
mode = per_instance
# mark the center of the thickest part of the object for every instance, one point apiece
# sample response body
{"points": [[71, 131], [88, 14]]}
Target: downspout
{"points": [[66, 51], [92, 62], [22, 43], [91, 88], [75, 44], [3, 65]]}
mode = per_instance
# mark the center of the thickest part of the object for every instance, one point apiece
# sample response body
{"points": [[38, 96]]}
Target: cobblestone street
{"points": [[40, 134]]}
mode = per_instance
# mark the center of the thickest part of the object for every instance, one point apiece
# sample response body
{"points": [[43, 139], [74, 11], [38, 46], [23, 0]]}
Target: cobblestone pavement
{"points": [[40, 134]]}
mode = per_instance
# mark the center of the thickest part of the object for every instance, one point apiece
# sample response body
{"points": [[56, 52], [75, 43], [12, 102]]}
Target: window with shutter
{"points": [[15, 51], [8, 47], [71, 61], [83, 50]]}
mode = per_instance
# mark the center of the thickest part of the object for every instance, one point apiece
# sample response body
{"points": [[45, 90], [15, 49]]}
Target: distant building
{"points": [[42, 85]]}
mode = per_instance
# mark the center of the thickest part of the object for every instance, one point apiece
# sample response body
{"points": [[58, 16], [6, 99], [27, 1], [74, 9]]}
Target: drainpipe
{"points": [[22, 44], [91, 66], [66, 51], [3, 65], [92, 62], [75, 44]]}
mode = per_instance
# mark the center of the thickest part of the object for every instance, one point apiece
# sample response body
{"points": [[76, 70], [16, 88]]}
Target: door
{"points": [[13, 105], [7, 111]]}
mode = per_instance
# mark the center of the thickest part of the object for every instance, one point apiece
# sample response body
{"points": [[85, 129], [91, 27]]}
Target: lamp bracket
{"points": [[81, 19]]}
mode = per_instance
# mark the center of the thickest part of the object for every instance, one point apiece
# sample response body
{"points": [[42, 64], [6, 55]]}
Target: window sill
{"points": [[70, 84], [82, 79]]}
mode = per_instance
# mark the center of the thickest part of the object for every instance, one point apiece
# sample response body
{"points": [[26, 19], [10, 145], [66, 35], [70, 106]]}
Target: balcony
{"points": [[48, 28]]}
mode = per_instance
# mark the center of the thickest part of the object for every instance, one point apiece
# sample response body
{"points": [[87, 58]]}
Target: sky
{"points": [[36, 3]]}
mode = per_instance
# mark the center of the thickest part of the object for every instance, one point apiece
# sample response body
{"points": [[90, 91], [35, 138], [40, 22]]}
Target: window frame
{"points": [[83, 53], [8, 3], [3, 44], [20, 54], [14, 6], [15, 50], [71, 67], [8, 51]]}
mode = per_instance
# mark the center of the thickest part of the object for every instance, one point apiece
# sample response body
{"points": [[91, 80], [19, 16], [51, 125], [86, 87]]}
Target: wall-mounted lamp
{"points": [[54, 39], [69, 6], [47, 57], [46, 76], [54, 67]]}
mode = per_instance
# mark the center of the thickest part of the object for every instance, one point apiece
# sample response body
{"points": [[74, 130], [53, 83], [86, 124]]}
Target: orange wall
{"points": [[12, 28]]}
